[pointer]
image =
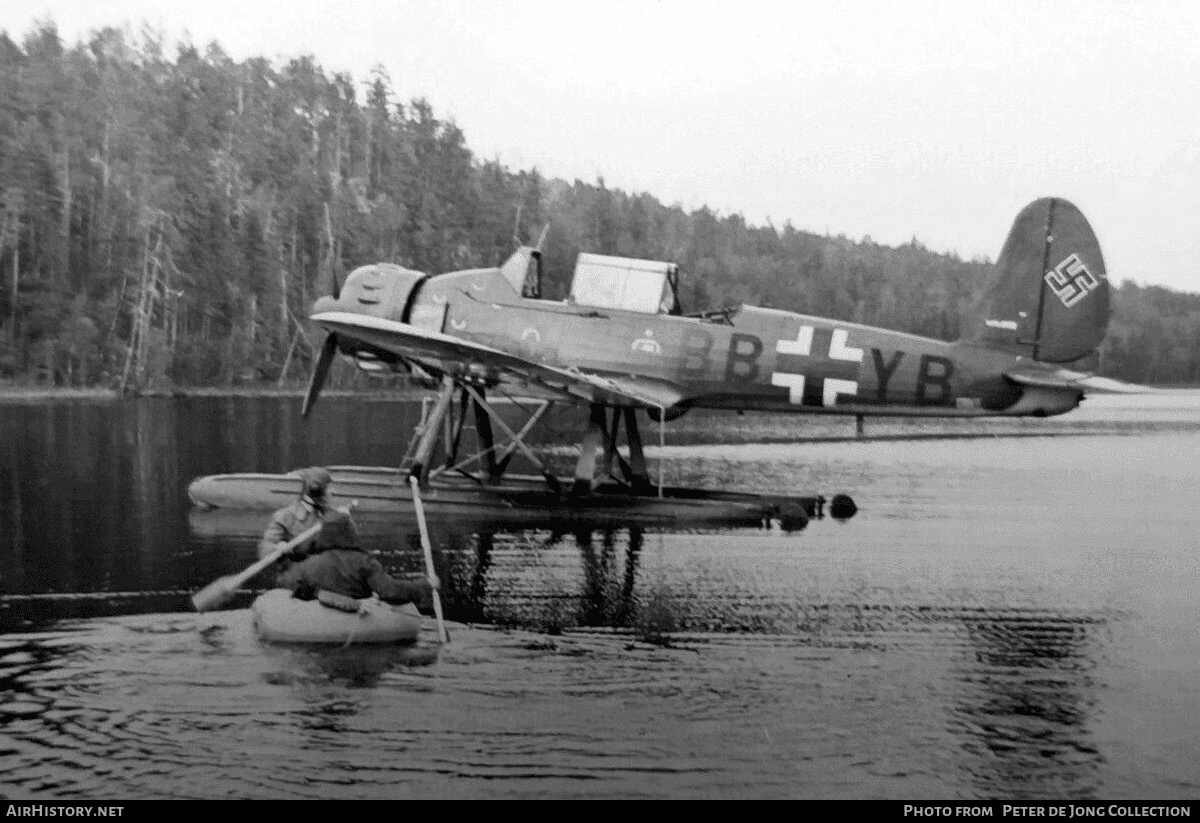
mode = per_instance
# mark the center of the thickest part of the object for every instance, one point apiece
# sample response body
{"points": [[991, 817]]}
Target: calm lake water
{"points": [[1011, 614]]}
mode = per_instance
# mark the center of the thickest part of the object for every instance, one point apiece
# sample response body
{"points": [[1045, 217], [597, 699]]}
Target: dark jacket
{"points": [[353, 573]]}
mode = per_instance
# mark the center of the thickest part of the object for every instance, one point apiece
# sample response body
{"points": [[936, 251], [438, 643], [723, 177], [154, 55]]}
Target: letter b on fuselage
{"points": [[933, 380]]}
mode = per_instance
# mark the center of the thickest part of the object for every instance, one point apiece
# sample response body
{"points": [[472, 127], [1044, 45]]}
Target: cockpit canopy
{"points": [[625, 283]]}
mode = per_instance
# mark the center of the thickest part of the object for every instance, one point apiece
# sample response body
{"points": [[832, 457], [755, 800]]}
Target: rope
{"points": [[662, 444], [362, 613]]}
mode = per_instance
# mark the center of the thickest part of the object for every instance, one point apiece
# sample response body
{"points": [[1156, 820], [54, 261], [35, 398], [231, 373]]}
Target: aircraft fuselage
{"points": [[748, 358]]}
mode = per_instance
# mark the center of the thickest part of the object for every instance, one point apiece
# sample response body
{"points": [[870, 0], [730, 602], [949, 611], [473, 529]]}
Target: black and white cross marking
{"points": [[817, 379]]}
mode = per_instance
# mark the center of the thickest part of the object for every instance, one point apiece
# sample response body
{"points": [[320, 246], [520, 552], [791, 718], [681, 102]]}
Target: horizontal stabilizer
{"points": [[1067, 379]]}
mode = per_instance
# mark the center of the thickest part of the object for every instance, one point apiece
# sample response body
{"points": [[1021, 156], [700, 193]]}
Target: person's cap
{"points": [[314, 479], [338, 532]]}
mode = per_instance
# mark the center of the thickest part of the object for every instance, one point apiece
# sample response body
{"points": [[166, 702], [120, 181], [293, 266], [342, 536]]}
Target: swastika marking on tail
{"points": [[1071, 281]]}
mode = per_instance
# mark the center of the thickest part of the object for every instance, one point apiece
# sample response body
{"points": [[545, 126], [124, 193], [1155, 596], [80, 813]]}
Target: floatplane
{"points": [[622, 346]]}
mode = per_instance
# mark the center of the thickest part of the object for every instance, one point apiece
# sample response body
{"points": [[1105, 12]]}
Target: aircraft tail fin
{"points": [[1048, 298]]}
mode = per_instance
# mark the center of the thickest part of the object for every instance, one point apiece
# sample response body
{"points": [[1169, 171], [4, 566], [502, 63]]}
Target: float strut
{"points": [[593, 439], [551, 480], [429, 437], [638, 475]]}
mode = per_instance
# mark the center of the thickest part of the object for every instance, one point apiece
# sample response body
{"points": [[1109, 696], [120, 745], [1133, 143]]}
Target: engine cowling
{"points": [[380, 290]]}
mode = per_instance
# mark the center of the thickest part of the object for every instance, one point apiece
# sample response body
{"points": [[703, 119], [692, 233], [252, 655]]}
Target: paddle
{"points": [[437, 600], [221, 590]]}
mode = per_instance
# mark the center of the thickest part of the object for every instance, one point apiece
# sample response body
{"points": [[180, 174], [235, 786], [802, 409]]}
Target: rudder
{"points": [[1049, 296]]}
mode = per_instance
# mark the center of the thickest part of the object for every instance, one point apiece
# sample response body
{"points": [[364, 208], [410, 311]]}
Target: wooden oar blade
{"points": [[216, 594]]}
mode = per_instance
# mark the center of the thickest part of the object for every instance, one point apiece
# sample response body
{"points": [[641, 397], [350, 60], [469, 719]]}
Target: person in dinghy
{"points": [[336, 565], [309, 509]]}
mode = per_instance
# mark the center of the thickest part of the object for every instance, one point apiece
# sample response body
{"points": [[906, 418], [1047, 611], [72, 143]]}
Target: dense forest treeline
{"points": [[168, 220]]}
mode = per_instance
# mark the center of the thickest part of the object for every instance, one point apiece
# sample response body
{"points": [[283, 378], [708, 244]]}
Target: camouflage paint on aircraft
{"points": [[1036, 314]]}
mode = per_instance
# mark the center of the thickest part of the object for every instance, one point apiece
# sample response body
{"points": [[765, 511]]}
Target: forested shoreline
{"points": [[166, 220]]}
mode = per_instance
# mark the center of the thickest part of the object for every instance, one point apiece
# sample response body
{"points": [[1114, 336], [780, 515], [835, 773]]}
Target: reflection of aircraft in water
{"points": [[622, 343]]}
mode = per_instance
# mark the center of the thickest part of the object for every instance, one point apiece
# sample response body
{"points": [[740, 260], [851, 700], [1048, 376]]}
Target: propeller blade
{"points": [[320, 372]]}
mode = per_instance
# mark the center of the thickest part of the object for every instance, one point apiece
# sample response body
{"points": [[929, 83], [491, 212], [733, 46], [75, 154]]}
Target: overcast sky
{"points": [[902, 119]]}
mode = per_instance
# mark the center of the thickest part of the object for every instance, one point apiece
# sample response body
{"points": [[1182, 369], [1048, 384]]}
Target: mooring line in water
{"points": [[6, 598]]}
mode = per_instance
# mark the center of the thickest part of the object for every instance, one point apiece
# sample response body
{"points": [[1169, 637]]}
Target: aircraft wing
{"points": [[1081, 381], [442, 352]]}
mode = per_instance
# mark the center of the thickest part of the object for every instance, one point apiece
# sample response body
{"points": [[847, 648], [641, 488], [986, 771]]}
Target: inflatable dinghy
{"points": [[281, 618]]}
